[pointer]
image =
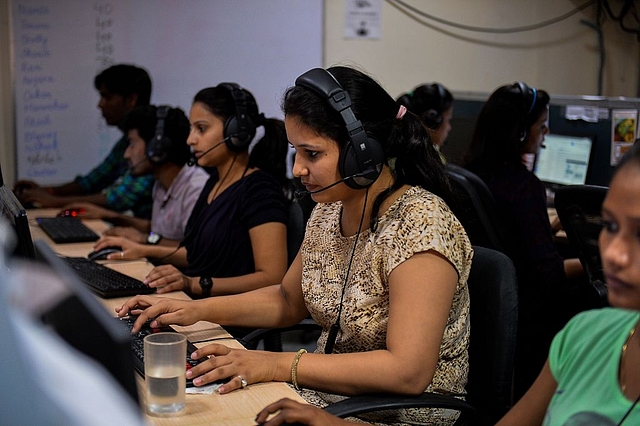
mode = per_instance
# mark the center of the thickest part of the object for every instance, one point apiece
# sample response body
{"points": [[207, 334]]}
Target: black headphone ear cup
{"points": [[238, 133], [348, 164], [239, 129], [160, 144], [432, 118], [361, 157]]}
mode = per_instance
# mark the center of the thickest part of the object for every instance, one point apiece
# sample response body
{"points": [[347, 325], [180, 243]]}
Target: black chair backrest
{"points": [[493, 291], [579, 210], [477, 210], [295, 231]]}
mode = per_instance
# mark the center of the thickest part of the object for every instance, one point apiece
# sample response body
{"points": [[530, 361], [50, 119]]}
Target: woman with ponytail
{"points": [[235, 238], [384, 261]]}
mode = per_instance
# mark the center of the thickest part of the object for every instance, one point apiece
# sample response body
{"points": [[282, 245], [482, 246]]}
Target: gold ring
{"points": [[243, 381]]}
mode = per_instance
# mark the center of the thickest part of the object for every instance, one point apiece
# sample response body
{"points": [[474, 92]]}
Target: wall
{"points": [[60, 46], [562, 58]]}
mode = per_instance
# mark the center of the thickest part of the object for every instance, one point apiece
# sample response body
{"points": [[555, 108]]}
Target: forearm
{"points": [[119, 219], [241, 284], [71, 188], [350, 374], [98, 199], [262, 308]]}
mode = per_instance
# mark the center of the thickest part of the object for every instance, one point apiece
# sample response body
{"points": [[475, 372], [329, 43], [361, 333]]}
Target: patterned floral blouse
{"points": [[416, 222]]}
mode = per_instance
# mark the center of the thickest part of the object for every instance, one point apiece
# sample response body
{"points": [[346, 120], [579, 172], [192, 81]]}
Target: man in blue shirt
{"points": [[121, 87]]}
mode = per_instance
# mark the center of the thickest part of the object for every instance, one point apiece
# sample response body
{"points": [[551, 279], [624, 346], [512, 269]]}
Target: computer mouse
{"points": [[71, 212], [103, 253]]}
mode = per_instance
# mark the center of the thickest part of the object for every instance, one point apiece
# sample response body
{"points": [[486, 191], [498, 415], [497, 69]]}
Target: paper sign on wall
{"points": [[363, 19], [624, 123]]}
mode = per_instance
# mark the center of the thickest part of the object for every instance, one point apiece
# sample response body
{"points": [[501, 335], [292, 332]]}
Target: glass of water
{"points": [[164, 373]]}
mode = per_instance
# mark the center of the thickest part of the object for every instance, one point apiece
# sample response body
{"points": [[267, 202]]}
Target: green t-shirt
{"points": [[584, 360]]}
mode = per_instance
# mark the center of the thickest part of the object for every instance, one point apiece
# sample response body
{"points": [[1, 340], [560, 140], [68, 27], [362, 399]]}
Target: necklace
{"points": [[623, 384]]}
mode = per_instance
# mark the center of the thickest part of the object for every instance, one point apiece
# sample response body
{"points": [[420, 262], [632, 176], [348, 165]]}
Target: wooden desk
{"points": [[236, 408]]}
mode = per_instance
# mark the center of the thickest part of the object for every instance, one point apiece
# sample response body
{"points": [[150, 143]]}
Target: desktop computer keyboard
{"points": [[137, 347], [105, 281], [63, 230]]}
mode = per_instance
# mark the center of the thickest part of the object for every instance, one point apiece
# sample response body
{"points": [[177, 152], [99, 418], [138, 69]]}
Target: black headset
{"points": [[239, 129], [362, 156], [160, 144], [529, 96], [433, 116]]}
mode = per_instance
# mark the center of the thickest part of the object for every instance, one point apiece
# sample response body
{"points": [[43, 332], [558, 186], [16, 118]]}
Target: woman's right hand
{"points": [[161, 311], [130, 250]]}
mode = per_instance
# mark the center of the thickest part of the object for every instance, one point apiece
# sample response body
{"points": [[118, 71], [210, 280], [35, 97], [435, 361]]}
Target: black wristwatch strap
{"points": [[206, 284]]}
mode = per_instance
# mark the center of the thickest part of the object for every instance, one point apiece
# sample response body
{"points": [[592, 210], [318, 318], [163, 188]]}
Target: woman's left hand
{"points": [[167, 278], [236, 364]]}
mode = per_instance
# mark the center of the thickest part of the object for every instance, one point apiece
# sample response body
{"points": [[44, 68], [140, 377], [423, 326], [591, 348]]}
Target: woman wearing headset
{"points": [[235, 239], [512, 124], [384, 262], [433, 103]]}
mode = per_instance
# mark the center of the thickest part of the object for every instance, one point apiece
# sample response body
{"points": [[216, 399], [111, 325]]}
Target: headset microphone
{"points": [[194, 158], [299, 194]]}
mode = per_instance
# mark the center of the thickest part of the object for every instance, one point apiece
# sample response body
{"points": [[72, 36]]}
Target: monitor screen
{"points": [[564, 160], [13, 212], [77, 316]]}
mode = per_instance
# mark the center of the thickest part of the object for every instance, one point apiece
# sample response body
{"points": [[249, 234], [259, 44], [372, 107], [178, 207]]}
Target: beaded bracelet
{"points": [[294, 368]]}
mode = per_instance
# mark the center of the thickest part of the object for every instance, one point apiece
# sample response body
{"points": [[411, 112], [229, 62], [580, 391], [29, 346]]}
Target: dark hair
{"points": [[270, 152], [429, 102], [502, 127], [407, 140], [126, 80], [176, 127]]}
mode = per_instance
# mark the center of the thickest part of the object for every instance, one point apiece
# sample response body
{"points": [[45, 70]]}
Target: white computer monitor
{"points": [[564, 160]]}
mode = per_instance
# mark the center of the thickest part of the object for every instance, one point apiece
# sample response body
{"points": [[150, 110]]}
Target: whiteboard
{"points": [[59, 46]]}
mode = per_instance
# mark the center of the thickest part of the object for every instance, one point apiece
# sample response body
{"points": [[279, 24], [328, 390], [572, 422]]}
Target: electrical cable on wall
{"points": [[524, 28], [628, 12]]}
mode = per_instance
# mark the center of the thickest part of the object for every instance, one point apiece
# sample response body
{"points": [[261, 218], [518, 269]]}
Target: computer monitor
{"points": [[78, 317], [13, 212], [564, 160]]}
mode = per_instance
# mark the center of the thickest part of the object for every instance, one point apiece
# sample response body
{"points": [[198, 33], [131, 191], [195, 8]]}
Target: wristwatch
{"points": [[206, 284], [153, 238]]}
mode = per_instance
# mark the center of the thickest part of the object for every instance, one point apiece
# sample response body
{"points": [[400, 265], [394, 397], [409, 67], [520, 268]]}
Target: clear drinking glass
{"points": [[164, 368]]}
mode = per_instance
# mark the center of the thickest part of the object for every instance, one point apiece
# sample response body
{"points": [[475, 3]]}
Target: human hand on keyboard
{"points": [[161, 311]]}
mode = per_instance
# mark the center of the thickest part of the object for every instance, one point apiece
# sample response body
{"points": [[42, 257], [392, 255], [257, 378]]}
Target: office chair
{"points": [[494, 318], [579, 210], [295, 231], [477, 210], [272, 338]]}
